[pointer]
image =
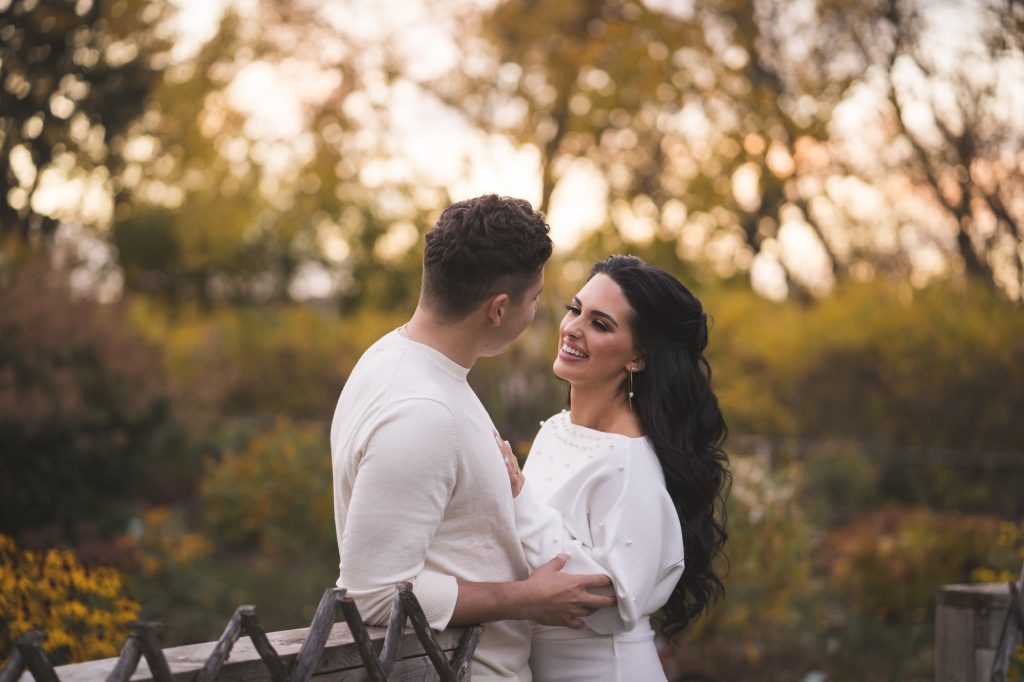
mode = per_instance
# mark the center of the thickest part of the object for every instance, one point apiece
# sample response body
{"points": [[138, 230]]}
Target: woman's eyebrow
{"points": [[595, 313]]}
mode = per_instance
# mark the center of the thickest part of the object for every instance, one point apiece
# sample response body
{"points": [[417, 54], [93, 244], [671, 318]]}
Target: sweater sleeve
{"points": [[623, 525], [403, 482]]}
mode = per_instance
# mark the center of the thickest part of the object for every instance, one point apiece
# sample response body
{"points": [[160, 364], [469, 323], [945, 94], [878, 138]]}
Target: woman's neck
{"points": [[602, 409]]}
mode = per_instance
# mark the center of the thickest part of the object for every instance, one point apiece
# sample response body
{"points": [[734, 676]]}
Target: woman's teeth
{"points": [[573, 352]]}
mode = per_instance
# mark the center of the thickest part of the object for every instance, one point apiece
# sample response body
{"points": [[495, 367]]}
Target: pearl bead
{"points": [[578, 437]]}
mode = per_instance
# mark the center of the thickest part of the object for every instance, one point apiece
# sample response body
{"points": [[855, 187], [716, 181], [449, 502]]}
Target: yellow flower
{"points": [[82, 610]]}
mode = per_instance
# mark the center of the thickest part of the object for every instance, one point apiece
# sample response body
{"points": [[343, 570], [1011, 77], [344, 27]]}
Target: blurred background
{"points": [[210, 208]]}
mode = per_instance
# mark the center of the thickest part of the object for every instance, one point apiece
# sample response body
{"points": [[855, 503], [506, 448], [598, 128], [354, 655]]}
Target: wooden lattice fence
{"points": [[347, 651]]}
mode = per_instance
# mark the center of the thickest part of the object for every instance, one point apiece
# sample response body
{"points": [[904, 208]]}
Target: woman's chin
{"points": [[560, 370], [567, 370]]}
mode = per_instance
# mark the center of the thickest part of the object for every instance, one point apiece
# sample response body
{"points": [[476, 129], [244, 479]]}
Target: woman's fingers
{"points": [[515, 476]]}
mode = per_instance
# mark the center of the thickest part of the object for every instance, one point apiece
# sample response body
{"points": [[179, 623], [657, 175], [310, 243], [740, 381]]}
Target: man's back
{"points": [[421, 494]]}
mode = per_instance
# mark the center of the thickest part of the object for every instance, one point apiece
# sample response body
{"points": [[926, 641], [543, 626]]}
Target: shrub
{"points": [[83, 611], [772, 598], [934, 367], [83, 406], [840, 482], [890, 563], [246, 362], [275, 494]]}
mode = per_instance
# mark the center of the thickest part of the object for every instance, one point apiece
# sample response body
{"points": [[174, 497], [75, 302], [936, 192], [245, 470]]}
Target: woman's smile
{"points": [[571, 352]]}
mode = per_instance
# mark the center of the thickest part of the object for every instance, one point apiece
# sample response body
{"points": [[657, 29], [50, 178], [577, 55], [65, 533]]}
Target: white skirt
{"points": [[565, 655]]}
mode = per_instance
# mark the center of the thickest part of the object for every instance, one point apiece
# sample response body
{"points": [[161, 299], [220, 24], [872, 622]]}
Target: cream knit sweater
{"points": [[421, 494]]}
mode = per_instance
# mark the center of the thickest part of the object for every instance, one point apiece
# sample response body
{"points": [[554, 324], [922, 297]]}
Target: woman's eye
{"points": [[600, 326], [575, 310]]}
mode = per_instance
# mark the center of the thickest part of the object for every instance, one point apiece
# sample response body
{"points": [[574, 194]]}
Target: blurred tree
{"points": [[105, 125], [954, 118], [74, 76], [729, 130], [234, 206], [83, 408], [695, 118]]}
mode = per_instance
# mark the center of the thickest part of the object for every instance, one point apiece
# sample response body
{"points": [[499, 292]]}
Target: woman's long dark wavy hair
{"points": [[679, 413]]}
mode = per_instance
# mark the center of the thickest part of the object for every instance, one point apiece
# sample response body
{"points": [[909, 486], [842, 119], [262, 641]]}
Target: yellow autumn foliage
{"points": [[83, 610], [1008, 551]]}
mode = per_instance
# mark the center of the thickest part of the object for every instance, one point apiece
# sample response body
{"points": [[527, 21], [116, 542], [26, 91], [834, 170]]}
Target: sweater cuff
{"points": [[436, 593]]}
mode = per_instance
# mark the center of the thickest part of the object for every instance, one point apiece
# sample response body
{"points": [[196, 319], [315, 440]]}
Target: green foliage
{"points": [[84, 410], [176, 577], [840, 482], [180, 581], [275, 494]]}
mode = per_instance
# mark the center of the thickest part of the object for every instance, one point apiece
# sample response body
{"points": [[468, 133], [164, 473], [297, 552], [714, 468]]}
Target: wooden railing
{"points": [[347, 650]]}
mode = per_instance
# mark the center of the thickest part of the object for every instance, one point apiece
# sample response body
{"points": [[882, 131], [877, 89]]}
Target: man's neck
{"points": [[457, 341]]}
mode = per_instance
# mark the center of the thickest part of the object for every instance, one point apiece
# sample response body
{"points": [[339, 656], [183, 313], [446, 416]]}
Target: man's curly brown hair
{"points": [[481, 247]]}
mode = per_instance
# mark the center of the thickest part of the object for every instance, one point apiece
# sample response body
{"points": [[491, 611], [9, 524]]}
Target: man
{"points": [[421, 492]]}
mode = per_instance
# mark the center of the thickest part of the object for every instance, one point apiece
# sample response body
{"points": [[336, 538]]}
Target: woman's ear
{"points": [[638, 363]]}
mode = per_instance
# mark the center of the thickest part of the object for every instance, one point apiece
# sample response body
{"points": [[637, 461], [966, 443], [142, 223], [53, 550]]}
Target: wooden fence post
{"points": [[968, 619]]}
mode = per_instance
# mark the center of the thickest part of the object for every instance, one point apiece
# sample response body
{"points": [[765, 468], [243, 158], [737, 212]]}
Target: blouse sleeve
{"points": [[621, 524]]}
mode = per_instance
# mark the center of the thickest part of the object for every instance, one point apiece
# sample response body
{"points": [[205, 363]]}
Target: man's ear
{"points": [[497, 306]]}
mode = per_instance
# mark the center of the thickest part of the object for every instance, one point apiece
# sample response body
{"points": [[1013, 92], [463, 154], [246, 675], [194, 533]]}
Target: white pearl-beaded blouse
{"points": [[600, 498]]}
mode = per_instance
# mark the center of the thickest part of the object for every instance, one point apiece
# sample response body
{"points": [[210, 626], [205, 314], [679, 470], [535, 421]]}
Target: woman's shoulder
{"points": [[643, 458]]}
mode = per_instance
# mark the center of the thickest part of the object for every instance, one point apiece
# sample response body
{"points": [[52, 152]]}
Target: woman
{"points": [[630, 476]]}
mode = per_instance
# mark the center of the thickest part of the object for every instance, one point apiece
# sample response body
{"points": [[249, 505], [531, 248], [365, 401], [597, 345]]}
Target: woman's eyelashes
{"points": [[596, 323]]}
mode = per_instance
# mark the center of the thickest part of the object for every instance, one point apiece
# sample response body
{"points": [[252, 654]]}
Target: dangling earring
{"points": [[631, 389]]}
